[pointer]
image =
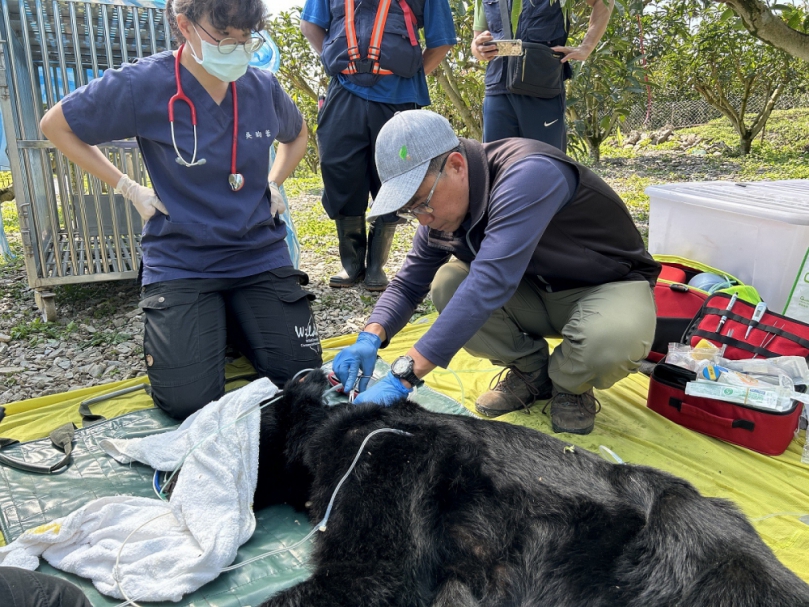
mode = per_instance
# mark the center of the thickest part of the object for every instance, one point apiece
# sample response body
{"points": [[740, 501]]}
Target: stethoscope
{"points": [[236, 180]]}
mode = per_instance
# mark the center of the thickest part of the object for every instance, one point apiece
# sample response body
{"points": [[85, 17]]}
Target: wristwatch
{"points": [[402, 368]]}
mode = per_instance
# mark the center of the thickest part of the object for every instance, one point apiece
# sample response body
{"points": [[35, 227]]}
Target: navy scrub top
{"points": [[211, 231]]}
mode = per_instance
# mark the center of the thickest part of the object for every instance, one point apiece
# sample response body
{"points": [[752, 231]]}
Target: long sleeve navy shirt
{"points": [[521, 205]]}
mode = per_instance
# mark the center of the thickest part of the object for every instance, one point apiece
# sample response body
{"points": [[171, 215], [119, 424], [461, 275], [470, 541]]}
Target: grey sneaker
{"points": [[517, 390], [573, 413]]}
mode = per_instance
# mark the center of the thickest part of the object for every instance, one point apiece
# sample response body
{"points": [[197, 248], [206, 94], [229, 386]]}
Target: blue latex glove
{"points": [[385, 392], [355, 360]]}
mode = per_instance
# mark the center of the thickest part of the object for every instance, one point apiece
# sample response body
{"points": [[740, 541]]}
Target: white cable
{"points": [[276, 397], [116, 572], [321, 526]]}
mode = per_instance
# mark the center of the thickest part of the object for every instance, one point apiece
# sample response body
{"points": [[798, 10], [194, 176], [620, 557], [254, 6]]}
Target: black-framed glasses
{"points": [[228, 45], [423, 208]]}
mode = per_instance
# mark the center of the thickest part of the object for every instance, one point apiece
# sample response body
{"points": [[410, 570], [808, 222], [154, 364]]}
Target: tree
{"points": [[783, 26], [604, 88], [301, 74], [731, 70], [456, 86]]}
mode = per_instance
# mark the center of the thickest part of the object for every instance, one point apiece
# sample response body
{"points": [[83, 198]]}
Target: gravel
{"points": [[99, 332], [98, 335]]}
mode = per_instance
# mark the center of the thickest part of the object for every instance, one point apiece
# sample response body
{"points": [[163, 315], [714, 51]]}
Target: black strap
{"points": [[88, 417], [736, 343], [744, 424], [779, 331], [61, 439], [505, 18]]}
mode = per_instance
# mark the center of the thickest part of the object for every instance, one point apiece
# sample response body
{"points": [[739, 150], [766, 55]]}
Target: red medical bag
{"points": [[768, 432], [677, 302]]}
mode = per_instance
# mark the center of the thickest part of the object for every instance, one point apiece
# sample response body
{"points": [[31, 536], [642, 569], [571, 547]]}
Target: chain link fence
{"points": [[696, 111]]}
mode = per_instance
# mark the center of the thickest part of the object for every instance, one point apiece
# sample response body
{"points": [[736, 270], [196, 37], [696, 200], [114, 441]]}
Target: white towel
{"points": [[184, 543]]}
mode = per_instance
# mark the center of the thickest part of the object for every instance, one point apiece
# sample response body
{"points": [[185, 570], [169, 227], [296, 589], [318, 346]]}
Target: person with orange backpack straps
{"points": [[371, 49]]}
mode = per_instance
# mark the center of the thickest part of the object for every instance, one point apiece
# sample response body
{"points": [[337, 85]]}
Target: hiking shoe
{"points": [[573, 413], [517, 390]]}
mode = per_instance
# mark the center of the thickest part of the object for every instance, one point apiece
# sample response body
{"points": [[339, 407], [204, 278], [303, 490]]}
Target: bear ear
{"points": [[309, 386]]}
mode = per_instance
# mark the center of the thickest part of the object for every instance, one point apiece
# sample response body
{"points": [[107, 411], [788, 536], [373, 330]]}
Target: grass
{"points": [[38, 331], [782, 153], [303, 184]]}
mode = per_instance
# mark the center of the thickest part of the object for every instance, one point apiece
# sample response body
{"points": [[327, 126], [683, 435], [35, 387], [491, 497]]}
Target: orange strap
{"points": [[351, 34], [375, 45]]}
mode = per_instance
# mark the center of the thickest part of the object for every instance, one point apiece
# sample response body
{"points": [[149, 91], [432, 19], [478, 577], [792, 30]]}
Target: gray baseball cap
{"points": [[404, 148]]}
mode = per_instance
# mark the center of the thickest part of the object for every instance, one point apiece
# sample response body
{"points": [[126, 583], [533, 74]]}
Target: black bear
{"points": [[450, 511]]}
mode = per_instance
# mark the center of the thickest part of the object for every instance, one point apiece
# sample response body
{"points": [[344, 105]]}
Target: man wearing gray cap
{"points": [[542, 248]]}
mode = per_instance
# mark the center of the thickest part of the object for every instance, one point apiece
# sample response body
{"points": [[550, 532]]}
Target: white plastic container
{"points": [[757, 231]]}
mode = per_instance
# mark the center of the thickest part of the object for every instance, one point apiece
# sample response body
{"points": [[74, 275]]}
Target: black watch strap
{"points": [[408, 375]]}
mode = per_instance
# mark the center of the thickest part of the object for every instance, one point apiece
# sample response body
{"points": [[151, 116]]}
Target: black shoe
{"points": [[380, 238], [352, 245], [574, 413], [516, 391]]}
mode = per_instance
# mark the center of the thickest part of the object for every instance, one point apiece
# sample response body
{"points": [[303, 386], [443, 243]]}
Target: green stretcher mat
{"points": [[29, 500], [772, 491]]}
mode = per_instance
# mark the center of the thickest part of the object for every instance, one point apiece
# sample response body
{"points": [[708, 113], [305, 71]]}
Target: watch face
{"points": [[400, 366]]}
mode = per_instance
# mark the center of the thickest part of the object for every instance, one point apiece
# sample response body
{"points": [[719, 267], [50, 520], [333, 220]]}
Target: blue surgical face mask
{"points": [[227, 67]]}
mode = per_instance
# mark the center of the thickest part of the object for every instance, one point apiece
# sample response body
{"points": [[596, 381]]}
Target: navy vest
{"points": [[397, 53], [592, 240], [540, 21]]}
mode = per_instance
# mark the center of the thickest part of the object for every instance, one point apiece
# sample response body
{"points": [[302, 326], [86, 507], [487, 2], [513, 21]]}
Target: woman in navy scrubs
{"points": [[216, 268]]}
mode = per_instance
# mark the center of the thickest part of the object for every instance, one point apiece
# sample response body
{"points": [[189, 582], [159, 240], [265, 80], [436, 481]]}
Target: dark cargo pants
{"points": [[189, 323]]}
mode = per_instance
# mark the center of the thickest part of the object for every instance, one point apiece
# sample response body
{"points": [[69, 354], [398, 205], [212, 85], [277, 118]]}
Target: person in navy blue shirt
{"points": [[216, 269], [363, 95]]}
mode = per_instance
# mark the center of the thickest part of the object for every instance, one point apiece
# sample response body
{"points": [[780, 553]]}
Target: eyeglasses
{"points": [[228, 45], [424, 207]]}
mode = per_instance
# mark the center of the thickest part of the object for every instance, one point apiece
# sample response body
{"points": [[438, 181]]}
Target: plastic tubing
{"points": [[321, 526]]}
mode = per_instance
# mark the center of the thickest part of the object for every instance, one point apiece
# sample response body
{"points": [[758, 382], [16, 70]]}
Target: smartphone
{"points": [[506, 48]]}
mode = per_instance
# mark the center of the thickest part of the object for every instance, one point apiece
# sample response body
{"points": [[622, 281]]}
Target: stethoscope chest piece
{"points": [[236, 181]]}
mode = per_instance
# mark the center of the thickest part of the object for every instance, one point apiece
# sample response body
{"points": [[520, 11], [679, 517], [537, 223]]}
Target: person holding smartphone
{"points": [[507, 114]]}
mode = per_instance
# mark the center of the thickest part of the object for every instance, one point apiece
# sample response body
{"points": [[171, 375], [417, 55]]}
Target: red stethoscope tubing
{"points": [[181, 96]]}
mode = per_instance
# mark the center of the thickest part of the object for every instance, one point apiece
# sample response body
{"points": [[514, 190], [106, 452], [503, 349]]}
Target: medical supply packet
{"points": [[794, 367], [759, 398], [692, 359]]}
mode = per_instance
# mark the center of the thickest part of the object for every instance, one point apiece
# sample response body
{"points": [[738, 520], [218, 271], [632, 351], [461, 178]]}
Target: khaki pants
{"points": [[606, 330]]}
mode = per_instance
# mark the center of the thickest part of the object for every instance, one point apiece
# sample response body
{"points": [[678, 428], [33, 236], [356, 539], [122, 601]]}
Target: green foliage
{"points": [[301, 74], [104, 338], [37, 331], [794, 15], [456, 86], [303, 184], [729, 68], [11, 222], [606, 86]]}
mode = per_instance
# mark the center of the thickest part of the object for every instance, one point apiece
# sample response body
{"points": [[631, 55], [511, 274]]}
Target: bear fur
{"points": [[464, 512]]}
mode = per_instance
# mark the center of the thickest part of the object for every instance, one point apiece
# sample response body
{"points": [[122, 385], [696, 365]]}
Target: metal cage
{"points": [[74, 228]]}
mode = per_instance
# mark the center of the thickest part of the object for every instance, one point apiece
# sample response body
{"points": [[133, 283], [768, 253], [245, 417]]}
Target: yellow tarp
{"points": [[762, 486]]}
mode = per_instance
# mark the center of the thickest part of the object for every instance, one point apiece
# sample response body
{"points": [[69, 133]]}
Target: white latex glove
{"points": [[276, 200], [144, 199]]}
